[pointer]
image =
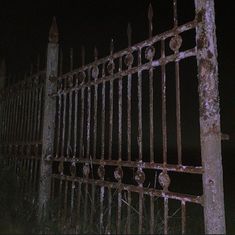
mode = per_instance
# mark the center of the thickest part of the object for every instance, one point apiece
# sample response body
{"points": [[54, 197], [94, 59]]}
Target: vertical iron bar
{"points": [[103, 115], [75, 120], [129, 212], [81, 124], [129, 99], [183, 217], [79, 208], [140, 211], [109, 209], [58, 147], [129, 115], [65, 203], [151, 135], [120, 112], [140, 134], [111, 107], [178, 114], [119, 212], [95, 121], [88, 116], [69, 147], [163, 91], [166, 215], [102, 210], [152, 214], [64, 124]]}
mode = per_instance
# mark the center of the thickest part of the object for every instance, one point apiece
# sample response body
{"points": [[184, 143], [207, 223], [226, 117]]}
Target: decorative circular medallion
{"points": [[95, 72], [81, 76], [139, 176], [118, 173], [175, 42], [149, 53], [70, 81], [164, 179], [110, 67], [128, 60]]}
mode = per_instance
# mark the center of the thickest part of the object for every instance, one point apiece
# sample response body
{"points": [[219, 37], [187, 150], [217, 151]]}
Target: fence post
{"points": [[210, 132], [48, 118], [2, 74]]}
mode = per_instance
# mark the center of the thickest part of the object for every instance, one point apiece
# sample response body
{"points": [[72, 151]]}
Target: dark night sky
{"points": [[24, 29]]}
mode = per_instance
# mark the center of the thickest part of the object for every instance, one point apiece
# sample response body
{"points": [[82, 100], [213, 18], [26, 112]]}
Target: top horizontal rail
{"points": [[170, 33]]}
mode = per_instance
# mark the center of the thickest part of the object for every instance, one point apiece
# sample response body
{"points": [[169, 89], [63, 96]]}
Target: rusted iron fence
{"points": [[21, 127], [104, 141]]}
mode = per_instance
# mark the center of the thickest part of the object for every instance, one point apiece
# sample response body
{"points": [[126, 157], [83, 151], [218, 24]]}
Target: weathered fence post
{"points": [[2, 74], [49, 118], [210, 131]]}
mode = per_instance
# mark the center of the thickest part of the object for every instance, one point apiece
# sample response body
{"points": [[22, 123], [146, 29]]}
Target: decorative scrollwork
{"points": [[128, 60], [175, 43], [110, 67], [95, 72], [149, 53], [70, 81], [118, 173], [164, 180], [140, 176], [81, 76]]}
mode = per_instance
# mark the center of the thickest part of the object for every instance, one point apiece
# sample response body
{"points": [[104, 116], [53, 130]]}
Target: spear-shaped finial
{"points": [[111, 46], [129, 32], [95, 53], [175, 13], [53, 33], [83, 55], [150, 18]]}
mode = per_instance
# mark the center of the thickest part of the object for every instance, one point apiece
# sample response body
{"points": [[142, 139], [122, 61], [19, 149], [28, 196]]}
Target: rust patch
{"points": [[200, 15]]}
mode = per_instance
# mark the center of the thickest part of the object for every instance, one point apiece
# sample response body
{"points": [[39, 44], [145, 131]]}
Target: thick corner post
{"points": [[49, 117], [210, 132]]}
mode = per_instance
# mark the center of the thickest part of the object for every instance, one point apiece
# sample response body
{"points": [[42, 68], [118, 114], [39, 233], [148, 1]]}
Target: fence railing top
{"points": [[148, 42]]}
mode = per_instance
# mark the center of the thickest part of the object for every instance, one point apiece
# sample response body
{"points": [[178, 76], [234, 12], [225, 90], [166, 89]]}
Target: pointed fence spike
{"points": [[95, 53], [53, 33], [111, 46], [129, 32], [175, 13], [150, 18], [83, 55]]}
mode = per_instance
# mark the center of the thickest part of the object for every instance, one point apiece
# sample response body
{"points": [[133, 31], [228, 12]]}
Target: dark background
{"points": [[24, 30]]}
